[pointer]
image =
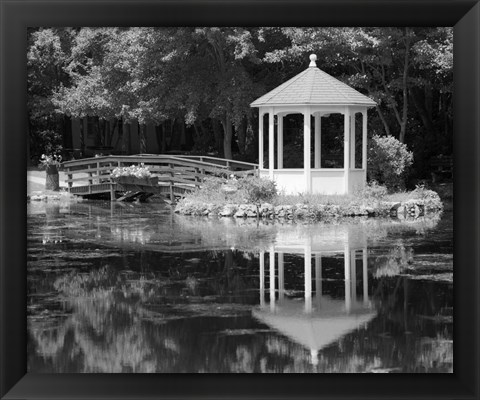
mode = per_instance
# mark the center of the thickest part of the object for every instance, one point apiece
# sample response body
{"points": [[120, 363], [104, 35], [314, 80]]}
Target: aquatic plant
{"points": [[138, 171]]}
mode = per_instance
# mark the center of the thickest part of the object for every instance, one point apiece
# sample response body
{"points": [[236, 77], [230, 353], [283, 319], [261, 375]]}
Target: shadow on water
{"points": [[136, 288]]}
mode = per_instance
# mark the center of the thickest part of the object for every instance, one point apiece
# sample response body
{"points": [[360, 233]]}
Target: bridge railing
{"points": [[189, 171]]}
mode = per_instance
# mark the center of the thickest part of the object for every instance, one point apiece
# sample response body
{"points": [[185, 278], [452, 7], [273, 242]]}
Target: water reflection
{"points": [[138, 289], [319, 319]]}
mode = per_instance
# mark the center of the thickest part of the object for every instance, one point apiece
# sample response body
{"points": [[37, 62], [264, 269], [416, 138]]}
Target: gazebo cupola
{"points": [[314, 92]]}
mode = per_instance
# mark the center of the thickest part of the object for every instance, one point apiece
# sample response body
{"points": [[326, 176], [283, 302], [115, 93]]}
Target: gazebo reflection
{"points": [[318, 320]]}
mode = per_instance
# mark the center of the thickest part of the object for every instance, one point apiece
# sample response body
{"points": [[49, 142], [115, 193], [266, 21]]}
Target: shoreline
{"points": [[412, 208]]}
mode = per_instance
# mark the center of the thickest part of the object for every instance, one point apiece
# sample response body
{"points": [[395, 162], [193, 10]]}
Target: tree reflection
{"points": [[181, 310]]}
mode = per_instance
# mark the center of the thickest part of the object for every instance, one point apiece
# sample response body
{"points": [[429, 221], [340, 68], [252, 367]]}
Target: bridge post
{"points": [[172, 197], [112, 191]]}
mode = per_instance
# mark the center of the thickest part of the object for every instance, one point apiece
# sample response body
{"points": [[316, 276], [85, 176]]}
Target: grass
{"points": [[373, 199]]}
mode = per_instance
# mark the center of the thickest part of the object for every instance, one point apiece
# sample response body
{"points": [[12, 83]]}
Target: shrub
{"points": [[430, 198], [257, 189], [373, 191], [388, 161]]}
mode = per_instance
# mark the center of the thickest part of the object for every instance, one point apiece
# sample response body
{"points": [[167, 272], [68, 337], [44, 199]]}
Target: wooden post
{"points": [[172, 173], [69, 177], [352, 141], [90, 181], [112, 191]]}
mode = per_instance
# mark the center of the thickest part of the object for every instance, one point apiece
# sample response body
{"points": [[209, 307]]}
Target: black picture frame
{"points": [[17, 15]]}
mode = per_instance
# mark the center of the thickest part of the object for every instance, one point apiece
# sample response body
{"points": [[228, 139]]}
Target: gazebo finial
{"points": [[313, 58]]}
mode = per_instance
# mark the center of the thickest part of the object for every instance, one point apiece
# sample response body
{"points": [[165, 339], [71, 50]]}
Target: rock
{"points": [[240, 214], [394, 208], [227, 211], [369, 210]]}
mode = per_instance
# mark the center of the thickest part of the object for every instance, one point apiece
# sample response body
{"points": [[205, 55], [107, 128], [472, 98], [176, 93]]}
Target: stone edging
{"points": [[410, 208]]}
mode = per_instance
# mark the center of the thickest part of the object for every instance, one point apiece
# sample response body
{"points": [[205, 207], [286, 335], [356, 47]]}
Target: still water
{"points": [[136, 288]]}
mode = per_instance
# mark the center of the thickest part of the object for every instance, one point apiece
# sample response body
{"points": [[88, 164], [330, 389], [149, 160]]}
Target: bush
{"points": [[388, 161], [373, 191], [258, 190], [430, 198]]}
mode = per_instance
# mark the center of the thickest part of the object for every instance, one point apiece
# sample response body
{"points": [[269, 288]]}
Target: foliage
{"points": [[430, 198], [258, 189], [44, 141], [206, 78], [388, 160], [139, 171], [373, 191], [47, 160]]}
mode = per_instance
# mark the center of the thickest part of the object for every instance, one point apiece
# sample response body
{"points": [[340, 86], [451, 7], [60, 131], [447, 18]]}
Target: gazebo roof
{"points": [[318, 329], [313, 87]]}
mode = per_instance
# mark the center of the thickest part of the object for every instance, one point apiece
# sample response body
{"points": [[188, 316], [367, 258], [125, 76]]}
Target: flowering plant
{"points": [[48, 160], [139, 171]]}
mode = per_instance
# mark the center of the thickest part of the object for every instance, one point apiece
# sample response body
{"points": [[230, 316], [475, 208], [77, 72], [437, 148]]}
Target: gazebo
{"points": [[319, 320], [314, 92]]}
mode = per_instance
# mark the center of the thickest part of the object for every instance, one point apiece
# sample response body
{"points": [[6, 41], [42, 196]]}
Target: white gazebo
{"points": [[314, 92], [319, 320]]}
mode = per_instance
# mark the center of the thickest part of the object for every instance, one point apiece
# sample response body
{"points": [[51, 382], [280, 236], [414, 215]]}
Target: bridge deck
{"points": [[176, 175]]}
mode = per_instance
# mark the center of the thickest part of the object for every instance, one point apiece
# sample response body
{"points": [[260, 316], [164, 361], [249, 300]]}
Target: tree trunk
{"points": [[128, 136], [82, 136], [158, 136], [403, 125], [121, 138], [51, 178], [142, 130], [227, 137], [217, 131], [176, 137], [164, 138], [423, 112], [382, 118], [242, 136]]}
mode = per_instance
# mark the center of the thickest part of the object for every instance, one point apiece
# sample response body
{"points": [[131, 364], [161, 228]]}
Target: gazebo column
{"points": [[318, 277], [262, 278], [348, 298], [306, 150], [279, 141], [346, 147], [272, 279], [318, 127], [281, 277], [364, 144], [260, 139], [271, 143], [352, 140], [353, 277], [308, 278], [365, 276]]}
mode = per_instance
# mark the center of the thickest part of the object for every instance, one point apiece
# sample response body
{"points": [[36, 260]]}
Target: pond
{"points": [[116, 287]]}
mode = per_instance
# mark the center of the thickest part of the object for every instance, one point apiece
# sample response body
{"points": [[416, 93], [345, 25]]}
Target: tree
{"points": [[47, 55]]}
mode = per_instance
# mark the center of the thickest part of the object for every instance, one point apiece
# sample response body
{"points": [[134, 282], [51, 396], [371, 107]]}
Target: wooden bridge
{"points": [[91, 177]]}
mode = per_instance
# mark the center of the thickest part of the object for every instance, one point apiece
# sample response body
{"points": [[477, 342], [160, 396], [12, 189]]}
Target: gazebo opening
{"points": [[309, 107]]}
